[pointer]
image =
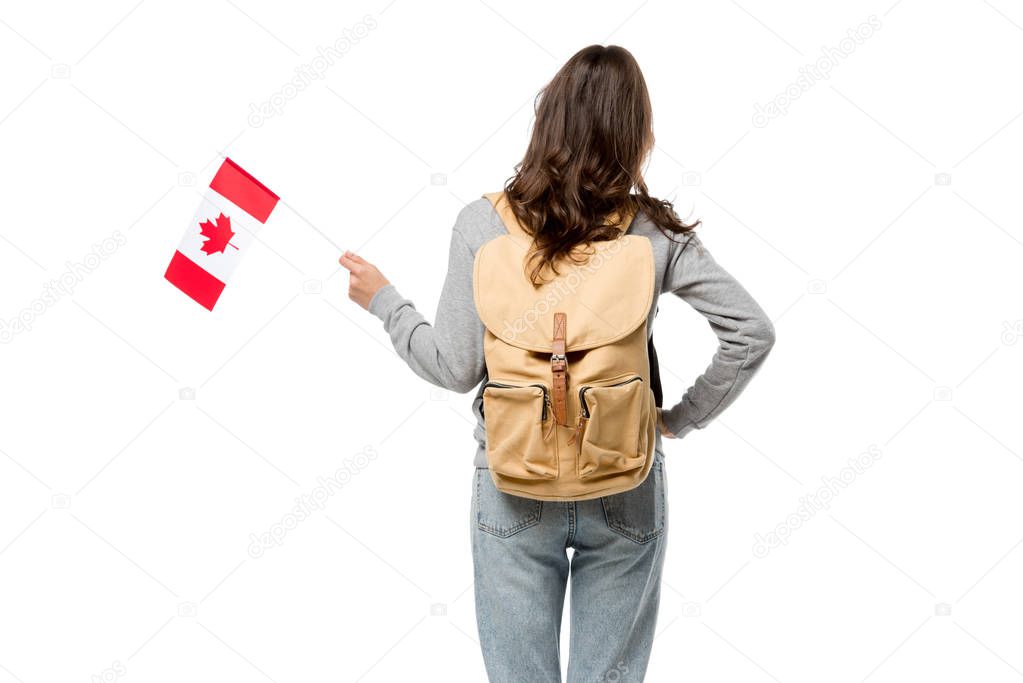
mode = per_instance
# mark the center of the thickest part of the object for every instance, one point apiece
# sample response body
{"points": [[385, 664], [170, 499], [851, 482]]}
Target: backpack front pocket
{"points": [[613, 419], [519, 423]]}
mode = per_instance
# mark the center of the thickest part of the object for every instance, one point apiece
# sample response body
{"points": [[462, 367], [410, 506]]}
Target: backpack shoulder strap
{"points": [[511, 223]]}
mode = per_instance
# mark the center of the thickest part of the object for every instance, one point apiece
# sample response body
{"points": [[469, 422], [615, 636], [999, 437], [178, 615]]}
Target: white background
{"points": [[126, 511]]}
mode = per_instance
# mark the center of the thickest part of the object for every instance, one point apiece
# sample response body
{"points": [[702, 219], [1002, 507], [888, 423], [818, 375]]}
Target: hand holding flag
{"points": [[364, 278]]}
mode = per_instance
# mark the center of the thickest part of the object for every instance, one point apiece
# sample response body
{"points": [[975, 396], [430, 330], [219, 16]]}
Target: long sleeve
{"points": [[744, 331], [448, 353]]}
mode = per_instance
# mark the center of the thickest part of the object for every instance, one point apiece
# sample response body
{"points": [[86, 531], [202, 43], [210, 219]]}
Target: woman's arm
{"points": [[448, 353], [745, 333]]}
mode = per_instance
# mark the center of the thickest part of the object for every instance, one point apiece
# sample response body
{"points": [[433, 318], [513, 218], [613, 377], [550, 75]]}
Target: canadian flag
{"points": [[232, 211]]}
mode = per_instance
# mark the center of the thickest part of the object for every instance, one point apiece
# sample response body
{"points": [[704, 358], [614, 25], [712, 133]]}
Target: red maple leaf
{"points": [[218, 235]]}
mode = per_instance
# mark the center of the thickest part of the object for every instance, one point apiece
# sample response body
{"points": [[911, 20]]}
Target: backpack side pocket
{"points": [[519, 422], [615, 418]]}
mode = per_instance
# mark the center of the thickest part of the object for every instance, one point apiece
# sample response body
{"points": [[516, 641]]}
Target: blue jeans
{"points": [[521, 568]]}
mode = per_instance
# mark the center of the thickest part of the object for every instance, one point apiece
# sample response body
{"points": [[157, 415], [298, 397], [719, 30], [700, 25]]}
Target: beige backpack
{"points": [[568, 406]]}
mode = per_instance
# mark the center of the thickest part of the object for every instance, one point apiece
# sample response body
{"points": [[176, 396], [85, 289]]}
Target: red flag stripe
{"points": [[238, 186], [184, 274]]}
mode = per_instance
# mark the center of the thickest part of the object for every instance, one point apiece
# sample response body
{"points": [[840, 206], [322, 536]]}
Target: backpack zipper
{"points": [[582, 392], [543, 388]]}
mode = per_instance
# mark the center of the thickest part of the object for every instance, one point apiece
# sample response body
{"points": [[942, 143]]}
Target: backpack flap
{"points": [[603, 300]]}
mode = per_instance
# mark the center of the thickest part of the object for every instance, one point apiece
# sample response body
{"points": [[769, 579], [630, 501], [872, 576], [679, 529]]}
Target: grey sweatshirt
{"points": [[449, 353]]}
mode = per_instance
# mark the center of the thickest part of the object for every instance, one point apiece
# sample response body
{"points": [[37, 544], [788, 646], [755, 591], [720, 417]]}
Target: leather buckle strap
{"points": [[559, 369]]}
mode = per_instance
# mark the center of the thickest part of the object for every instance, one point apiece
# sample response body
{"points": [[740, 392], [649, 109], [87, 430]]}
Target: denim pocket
{"points": [[638, 514], [502, 514]]}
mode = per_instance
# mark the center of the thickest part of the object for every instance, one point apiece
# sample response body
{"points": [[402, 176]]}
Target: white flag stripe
{"points": [[219, 265]]}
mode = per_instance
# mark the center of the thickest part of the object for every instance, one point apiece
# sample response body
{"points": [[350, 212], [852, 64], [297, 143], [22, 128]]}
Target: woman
{"points": [[590, 140]]}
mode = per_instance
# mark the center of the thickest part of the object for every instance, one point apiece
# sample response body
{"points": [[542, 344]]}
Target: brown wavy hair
{"points": [[592, 133]]}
